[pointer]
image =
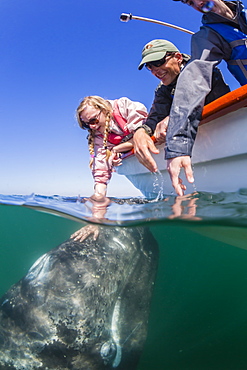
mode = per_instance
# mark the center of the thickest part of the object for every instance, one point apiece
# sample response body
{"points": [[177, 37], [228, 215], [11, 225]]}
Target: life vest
{"points": [[237, 65], [121, 122]]}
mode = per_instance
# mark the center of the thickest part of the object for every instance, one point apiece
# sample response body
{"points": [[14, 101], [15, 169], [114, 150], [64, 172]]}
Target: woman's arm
{"points": [[134, 112], [124, 147], [100, 189]]}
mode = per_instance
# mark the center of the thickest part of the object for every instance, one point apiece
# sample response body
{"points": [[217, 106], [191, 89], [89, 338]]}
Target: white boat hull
{"points": [[219, 159]]}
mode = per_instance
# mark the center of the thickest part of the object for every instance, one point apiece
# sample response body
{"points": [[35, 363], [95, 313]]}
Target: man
{"points": [[222, 36], [165, 61]]}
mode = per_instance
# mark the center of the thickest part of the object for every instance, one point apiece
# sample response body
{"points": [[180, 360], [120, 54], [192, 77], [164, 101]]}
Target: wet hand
{"points": [[143, 147], [85, 232], [174, 166]]}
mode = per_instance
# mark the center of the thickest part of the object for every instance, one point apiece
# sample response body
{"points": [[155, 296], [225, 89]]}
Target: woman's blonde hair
{"points": [[105, 107]]}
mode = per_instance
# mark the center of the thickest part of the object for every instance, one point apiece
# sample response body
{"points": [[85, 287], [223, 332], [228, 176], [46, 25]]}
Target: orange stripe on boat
{"points": [[225, 104]]}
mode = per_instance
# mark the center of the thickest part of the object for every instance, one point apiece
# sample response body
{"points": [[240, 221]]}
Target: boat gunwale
{"points": [[227, 103]]}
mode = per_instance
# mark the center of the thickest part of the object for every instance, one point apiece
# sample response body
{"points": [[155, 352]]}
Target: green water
{"points": [[198, 318], [199, 310], [25, 235]]}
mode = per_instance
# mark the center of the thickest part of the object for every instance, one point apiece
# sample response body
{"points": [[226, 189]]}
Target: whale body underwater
{"points": [[82, 305]]}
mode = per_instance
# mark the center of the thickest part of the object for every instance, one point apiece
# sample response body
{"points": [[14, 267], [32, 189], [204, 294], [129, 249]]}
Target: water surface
{"points": [[198, 312]]}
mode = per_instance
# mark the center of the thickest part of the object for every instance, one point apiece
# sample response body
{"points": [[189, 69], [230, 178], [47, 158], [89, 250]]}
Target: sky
{"points": [[53, 54]]}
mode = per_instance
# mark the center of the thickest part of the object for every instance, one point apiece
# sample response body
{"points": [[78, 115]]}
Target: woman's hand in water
{"points": [[85, 232]]}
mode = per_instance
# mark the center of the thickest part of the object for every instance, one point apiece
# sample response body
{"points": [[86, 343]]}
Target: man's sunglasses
{"points": [[157, 63], [92, 121]]}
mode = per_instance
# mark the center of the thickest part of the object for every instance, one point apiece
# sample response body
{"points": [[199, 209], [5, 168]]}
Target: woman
{"points": [[111, 125]]}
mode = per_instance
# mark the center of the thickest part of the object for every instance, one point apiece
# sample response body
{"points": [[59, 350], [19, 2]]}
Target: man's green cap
{"points": [[156, 50]]}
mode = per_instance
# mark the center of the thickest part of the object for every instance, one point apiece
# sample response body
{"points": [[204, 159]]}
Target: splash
{"points": [[158, 185]]}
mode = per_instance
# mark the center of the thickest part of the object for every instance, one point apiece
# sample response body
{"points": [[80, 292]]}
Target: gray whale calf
{"points": [[83, 305]]}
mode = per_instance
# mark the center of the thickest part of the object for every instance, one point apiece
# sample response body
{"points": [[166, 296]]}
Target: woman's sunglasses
{"points": [[92, 121]]}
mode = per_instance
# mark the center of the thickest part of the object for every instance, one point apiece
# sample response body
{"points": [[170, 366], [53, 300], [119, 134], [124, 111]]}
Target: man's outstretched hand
{"points": [[143, 147], [174, 166]]}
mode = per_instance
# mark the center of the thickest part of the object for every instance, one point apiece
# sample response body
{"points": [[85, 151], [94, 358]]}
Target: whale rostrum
{"points": [[82, 305]]}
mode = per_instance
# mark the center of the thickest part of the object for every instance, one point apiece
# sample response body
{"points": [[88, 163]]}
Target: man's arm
{"points": [[143, 147], [143, 144], [193, 86], [194, 83]]}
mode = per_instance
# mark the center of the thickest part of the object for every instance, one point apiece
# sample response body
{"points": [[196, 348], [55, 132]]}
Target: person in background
{"points": [[222, 37], [164, 60], [111, 125]]}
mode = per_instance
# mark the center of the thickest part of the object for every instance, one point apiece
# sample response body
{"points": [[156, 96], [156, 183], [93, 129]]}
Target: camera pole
{"points": [[124, 17]]}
